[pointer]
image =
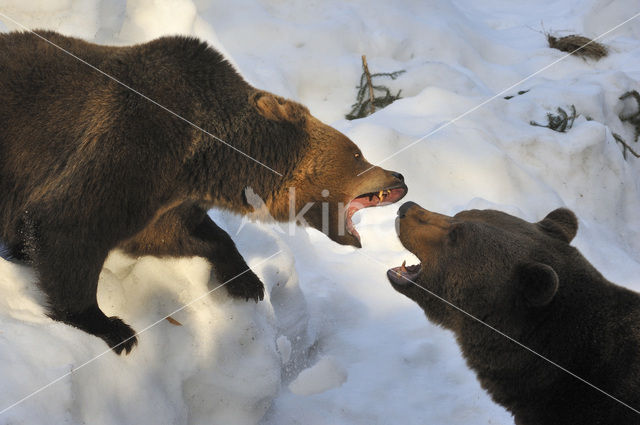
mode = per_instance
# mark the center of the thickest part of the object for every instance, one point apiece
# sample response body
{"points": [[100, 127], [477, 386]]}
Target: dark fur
{"points": [[87, 165], [527, 281]]}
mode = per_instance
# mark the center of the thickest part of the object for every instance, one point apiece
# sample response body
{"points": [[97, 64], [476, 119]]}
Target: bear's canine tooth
{"points": [[403, 268]]}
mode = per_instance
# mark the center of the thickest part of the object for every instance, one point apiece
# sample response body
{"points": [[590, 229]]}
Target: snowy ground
{"points": [[333, 343]]}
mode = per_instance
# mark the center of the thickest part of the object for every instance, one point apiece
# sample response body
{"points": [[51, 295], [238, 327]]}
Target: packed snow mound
{"points": [[220, 365], [332, 342], [324, 375]]}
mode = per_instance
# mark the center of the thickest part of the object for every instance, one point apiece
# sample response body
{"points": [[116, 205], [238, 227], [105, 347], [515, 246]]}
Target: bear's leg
{"points": [[230, 268], [68, 273], [188, 231], [116, 333]]}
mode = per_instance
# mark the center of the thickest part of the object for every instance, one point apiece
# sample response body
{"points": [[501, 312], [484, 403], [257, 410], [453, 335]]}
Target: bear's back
{"points": [[64, 120]]}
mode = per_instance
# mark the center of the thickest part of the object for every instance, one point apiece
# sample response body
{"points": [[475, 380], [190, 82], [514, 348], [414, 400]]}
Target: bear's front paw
{"points": [[119, 336], [246, 286]]}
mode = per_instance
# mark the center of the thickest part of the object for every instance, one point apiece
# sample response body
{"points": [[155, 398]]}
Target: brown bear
{"points": [[526, 281], [128, 147]]}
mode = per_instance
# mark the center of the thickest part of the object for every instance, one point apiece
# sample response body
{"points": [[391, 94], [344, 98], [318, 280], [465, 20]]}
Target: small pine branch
{"points": [[366, 105], [560, 122]]}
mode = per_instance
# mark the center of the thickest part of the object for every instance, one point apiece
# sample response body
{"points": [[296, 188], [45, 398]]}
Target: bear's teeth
{"points": [[403, 268]]}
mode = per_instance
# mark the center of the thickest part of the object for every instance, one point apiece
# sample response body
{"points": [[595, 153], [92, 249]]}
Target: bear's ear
{"points": [[277, 108], [538, 283], [561, 223]]}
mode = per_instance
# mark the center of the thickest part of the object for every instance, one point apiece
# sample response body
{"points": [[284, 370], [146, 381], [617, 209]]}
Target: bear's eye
{"points": [[357, 155]]}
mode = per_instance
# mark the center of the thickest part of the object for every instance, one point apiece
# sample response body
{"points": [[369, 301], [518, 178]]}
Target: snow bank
{"points": [[332, 342], [220, 366], [325, 375]]}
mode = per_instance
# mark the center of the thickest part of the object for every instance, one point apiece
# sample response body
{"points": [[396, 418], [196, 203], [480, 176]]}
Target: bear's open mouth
{"points": [[404, 275], [371, 199]]}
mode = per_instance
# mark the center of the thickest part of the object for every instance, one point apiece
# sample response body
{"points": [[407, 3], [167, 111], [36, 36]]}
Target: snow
{"points": [[332, 342], [325, 375]]}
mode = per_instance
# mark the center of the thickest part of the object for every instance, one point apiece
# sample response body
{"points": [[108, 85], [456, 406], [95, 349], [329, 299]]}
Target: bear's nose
{"points": [[397, 175], [402, 211]]}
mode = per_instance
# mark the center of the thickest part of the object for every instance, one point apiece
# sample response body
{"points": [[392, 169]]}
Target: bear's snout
{"points": [[398, 176], [402, 211], [421, 230]]}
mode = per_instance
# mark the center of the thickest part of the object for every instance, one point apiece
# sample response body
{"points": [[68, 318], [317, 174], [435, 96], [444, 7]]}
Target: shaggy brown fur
{"points": [[87, 165], [525, 280]]}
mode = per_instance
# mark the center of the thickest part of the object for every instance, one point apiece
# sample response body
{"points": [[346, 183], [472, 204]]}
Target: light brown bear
{"points": [[88, 165]]}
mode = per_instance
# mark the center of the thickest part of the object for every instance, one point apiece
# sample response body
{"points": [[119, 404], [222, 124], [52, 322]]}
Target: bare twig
{"points": [[625, 146], [634, 118], [632, 93], [366, 71]]}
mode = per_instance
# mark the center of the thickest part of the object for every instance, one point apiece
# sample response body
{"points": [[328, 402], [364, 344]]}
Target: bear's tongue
{"points": [[404, 275], [381, 198]]}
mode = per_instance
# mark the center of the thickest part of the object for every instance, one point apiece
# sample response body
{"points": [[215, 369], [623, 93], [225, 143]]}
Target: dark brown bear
{"points": [[525, 280], [88, 165]]}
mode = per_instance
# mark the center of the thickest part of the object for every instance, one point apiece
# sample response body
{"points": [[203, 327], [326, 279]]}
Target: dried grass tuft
{"points": [[578, 45]]}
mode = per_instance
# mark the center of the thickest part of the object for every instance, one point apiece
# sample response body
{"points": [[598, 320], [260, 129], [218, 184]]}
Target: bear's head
{"points": [[330, 180], [487, 263]]}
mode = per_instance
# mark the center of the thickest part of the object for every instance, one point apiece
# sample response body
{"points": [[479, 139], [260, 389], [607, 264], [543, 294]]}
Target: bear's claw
{"points": [[246, 286], [119, 336]]}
